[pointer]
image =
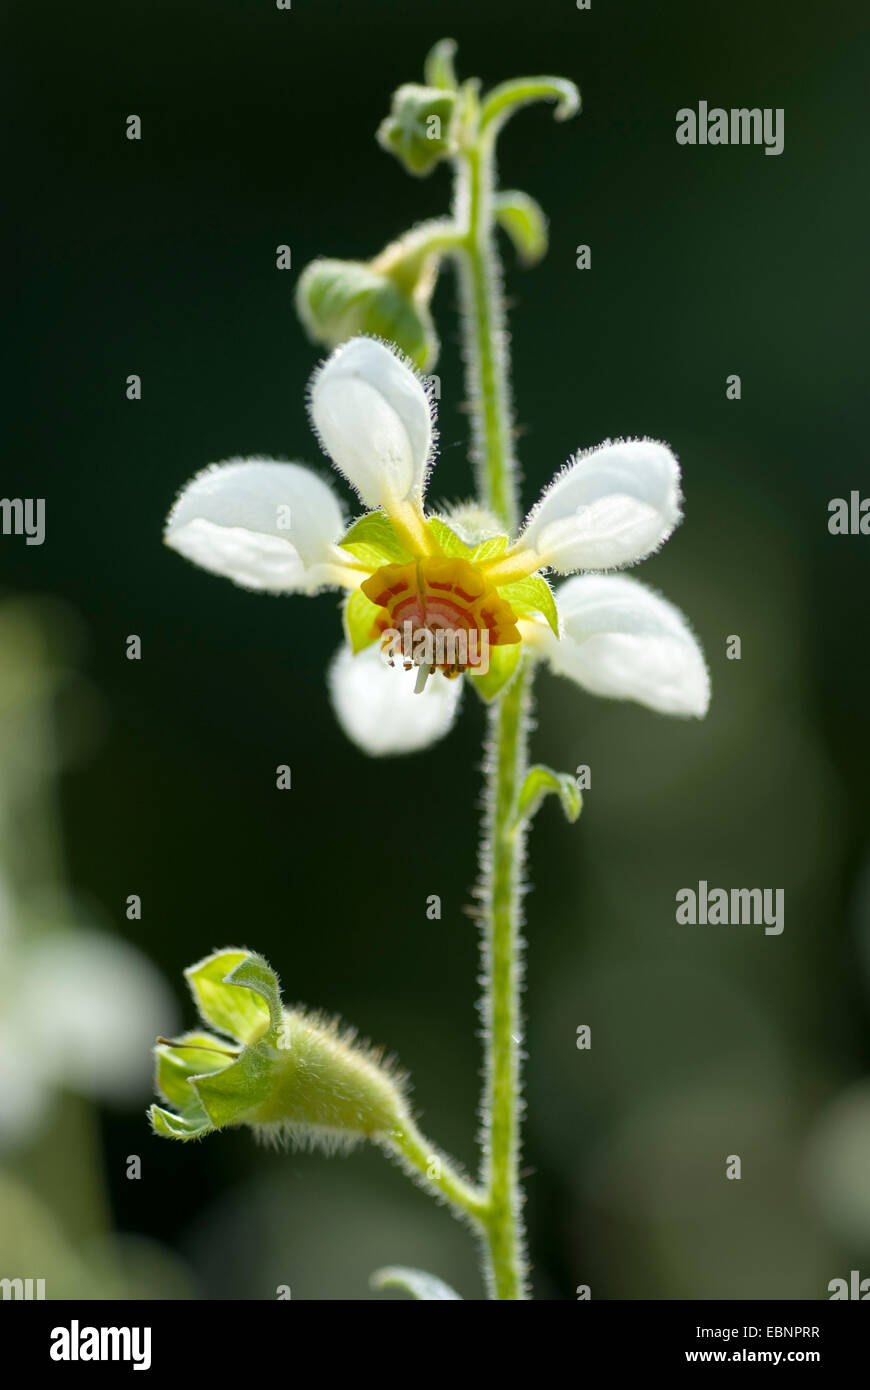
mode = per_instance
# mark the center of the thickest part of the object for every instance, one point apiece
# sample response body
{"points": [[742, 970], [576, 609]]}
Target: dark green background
{"points": [[158, 258]]}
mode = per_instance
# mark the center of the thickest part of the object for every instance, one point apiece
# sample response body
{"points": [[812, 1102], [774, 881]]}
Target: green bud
{"points": [[337, 300], [290, 1075], [419, 128]]}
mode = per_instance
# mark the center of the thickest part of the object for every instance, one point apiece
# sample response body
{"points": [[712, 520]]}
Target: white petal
{"points": [[263, 524], [374, 419], [607, 508], [623, 640], [378, 710]]}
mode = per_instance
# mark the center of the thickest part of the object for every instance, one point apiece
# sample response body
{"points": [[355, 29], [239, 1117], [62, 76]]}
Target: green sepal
{"points": [[541, 782], [420, 1285], [447, 540], [358, 618], [532, 595], [192, 1054], [238, 1092], [503, 661], [372, 540], [525, 222], [489, 549], [408, 132], [170, 1126], [451, 544], [244, 1013]]}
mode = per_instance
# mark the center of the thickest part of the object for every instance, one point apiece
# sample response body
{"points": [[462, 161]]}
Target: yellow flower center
{"points": [[448, 599]]}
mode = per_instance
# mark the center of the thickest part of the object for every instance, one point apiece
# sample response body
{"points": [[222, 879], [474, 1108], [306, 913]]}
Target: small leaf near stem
{"points": [[420, 1285], [542, 782], [504, 100]]}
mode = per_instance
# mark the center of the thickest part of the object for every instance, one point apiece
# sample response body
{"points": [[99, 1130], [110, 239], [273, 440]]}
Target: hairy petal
{"points": [[263, 524], [374, 419], [625, 641], [608, 507], [378, 710]]}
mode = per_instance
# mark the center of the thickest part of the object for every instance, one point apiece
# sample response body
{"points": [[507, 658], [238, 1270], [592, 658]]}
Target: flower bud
{"points": [[419, 128], [337, 300], [290, 1075]]}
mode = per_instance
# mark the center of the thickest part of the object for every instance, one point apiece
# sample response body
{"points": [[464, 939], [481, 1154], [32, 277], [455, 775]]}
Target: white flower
{"points": [[279, 527]]}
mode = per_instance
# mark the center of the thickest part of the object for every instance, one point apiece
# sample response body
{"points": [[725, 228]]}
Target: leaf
{"points": [[532, 595], [372, 540], [541, 782], [420, 1285], [448, 542], [509, 97], [502, 665], [438, 69], [525, 222], [359, 617]]}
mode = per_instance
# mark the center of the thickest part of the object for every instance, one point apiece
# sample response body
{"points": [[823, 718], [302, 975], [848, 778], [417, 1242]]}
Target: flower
{"points": [[449, 595]]}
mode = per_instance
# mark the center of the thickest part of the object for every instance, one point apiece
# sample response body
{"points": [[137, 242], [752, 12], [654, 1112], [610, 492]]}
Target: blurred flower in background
{"points": [[79, 1007]]}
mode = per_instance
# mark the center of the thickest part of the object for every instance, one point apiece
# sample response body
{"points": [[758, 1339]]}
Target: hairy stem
{"points": [[484, 342], [502, 854], [502, 944], [419, 1157]]}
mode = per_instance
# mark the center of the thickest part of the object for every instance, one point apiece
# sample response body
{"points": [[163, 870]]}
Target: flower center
{"points": [[439, 613]]}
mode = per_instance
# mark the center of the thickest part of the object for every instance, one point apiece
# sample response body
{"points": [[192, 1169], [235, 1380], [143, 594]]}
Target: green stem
{"points": [[484, 335], [417, 1153], [502, 855]]}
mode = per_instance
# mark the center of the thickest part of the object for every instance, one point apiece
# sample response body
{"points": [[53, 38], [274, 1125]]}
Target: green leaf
{"points": [[417, 1282], [525, 223], [508, 97], [438, 70], [359, 617], [541, 782], [532, 595], [502, 665], [447, 540], [372, 540], [243, 1013]]}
